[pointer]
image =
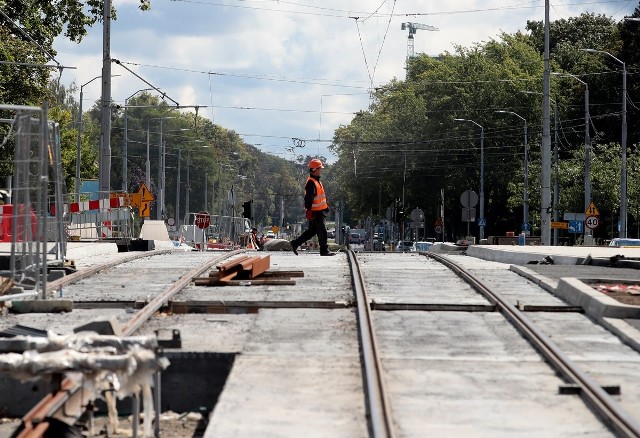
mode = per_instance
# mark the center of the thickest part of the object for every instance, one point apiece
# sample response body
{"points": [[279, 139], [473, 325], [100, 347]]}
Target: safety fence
{"points": [[223, 232], [107, 218], [31, 238]]}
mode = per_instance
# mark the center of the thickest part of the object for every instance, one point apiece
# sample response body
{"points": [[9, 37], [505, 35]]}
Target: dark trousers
{"points": [[317, 226]]}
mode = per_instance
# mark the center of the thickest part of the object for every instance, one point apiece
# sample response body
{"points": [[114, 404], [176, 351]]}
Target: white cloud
{"points": [[174, 45]]}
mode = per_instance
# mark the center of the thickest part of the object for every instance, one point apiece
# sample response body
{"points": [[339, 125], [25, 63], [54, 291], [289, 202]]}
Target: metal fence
{"points": [[107, 218], [223, 231], [30, 232]]}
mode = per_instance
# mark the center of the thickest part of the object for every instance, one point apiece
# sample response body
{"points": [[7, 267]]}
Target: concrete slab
{"points": [[299, 375], [441, 370], [564, 255], [284, 396]]}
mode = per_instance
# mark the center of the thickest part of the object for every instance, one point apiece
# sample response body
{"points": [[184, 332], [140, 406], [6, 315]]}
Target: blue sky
{"points": [[275, 70]]}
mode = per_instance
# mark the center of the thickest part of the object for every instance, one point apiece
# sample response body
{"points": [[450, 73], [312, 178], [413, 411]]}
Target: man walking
{"points": [[315, 204]]}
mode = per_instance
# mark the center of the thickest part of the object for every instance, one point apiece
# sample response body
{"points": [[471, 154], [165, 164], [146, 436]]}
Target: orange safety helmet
{"points": [[315, 164]]}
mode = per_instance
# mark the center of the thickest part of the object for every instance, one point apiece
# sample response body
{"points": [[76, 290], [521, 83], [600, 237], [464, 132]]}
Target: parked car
{"points": [[356, 239], [421, 246], [404, 245], [619, 241]]}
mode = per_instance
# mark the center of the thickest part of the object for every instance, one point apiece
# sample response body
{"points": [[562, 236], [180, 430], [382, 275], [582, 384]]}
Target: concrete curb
{"points": [[595, 304], [544, 282], [607, 311], [502, 255]]}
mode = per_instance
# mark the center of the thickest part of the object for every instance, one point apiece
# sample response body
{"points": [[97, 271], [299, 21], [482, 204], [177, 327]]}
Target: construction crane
{"points": [[413, 27]]}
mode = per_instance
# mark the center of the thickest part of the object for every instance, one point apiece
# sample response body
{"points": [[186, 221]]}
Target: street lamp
{"points": [[160, 200], [587, 141], [126, 140], [623, 171], [525, 198], [79, 146], [482, 220]]}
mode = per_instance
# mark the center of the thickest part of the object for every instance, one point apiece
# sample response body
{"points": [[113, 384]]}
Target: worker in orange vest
{"points": [[316, 206]]}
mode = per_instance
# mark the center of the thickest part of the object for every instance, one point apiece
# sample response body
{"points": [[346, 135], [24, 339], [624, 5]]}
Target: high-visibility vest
{"points": [[320, 200]]}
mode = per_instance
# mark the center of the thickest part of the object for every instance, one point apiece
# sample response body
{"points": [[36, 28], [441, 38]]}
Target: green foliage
{"points": [[409, 147]]}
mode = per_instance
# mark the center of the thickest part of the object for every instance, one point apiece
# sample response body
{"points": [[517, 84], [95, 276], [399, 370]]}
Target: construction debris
{"points": [[247, 271]]}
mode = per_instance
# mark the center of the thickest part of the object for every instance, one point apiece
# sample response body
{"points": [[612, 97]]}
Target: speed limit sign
{"points": [[592, 222]]}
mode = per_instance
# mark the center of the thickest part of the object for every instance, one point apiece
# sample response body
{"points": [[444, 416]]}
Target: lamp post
{"points": [[125, 146], [482, 220], [623, 143], [160, 200], [587, 142], [79, 146], [525, 196]]}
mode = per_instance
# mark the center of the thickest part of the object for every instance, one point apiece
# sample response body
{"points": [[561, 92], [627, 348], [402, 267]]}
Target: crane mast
{"points": [[413, 27]]}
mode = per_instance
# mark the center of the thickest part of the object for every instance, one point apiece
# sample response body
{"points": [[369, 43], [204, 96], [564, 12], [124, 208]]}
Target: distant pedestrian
{"points": [[316, 206]]}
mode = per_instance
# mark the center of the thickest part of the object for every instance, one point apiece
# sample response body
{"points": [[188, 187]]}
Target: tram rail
{"points": [[590, 391], [35, 422]]}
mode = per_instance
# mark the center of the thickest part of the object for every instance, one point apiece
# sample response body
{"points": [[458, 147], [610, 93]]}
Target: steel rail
{"points": [[89, 271], [592, 394], [69, 393], [377, 401]]}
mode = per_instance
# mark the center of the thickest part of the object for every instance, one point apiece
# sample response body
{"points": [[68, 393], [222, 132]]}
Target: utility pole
{"points": [[545, 173], [105, 131]]}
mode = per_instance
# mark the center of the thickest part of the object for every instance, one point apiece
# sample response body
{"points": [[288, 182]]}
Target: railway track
{"points": [[603, 405], [443, 346], [38, 420]]}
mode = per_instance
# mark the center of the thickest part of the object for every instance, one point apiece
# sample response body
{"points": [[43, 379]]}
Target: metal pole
{"points": [[556, 187], [177, 213], [206, 184], [105, 133], [147, 164], [186, 202], [525, 198], [79, 149], [623, 143], [623, 173], [545, 173], [587, 151], [159, 200], [481, 184]]}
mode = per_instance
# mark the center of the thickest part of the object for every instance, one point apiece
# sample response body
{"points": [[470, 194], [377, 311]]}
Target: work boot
{"points": [[324, 251], [294, 247]]}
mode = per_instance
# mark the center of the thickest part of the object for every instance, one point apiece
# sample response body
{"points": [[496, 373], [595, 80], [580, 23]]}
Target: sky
{"points": [[285, 74]]}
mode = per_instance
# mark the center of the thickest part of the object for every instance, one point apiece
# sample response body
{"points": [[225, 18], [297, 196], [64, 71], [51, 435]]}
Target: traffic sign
{"points": [[482, 222], [417, 215], [592, 222], [592, 210], [560, 225], [438, 222], [526, 226], [145, 209], [469, 198], [576, 227], [145, 194], [203, 220], [275, 229], [438, 229]]}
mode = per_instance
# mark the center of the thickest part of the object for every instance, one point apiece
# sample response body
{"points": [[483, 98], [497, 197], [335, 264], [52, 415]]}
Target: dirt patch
{"points": [[624, 293]]}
